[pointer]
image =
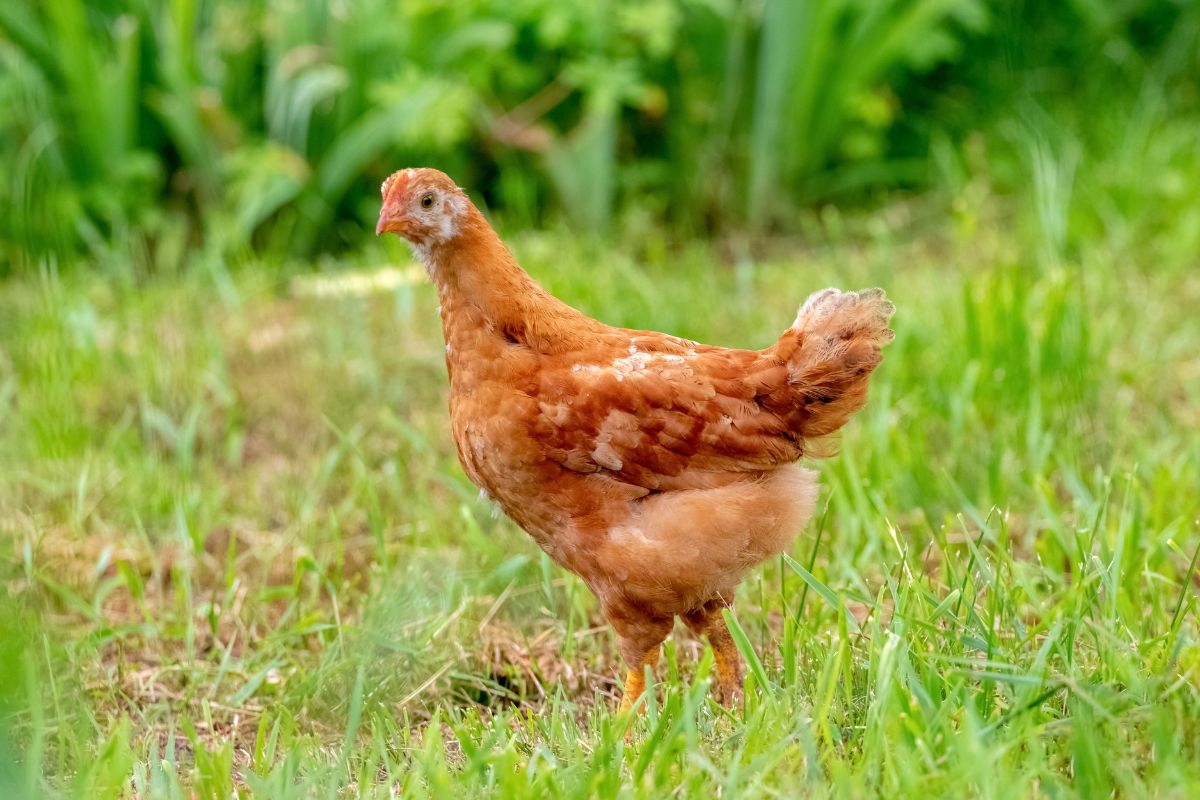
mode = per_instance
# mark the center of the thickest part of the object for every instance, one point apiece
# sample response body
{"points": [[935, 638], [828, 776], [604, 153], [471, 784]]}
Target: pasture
{"points": [[240, 555], [239, 558]]}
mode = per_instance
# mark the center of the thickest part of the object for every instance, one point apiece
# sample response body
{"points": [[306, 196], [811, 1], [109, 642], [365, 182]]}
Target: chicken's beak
{"points": [[390, 224]]}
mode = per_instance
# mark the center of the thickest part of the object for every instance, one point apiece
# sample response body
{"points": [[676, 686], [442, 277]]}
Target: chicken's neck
{"points": [[487, 299]]}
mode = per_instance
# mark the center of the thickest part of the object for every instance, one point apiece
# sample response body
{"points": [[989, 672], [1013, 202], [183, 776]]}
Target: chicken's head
{"points": [[422, 205]]}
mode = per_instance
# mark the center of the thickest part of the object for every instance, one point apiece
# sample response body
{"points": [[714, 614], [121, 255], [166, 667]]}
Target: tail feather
{"points": [[839, 340]]}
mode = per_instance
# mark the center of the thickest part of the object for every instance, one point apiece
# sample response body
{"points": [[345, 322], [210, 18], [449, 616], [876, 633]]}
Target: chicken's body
{"points": [[657, 469]]}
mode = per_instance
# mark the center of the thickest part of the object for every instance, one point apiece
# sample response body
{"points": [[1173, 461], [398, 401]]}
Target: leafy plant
{"points": [[146, 127], [818, 94]]}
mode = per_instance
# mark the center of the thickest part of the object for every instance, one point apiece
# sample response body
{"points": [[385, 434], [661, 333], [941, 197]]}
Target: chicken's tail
{"points": [[836, 341]]}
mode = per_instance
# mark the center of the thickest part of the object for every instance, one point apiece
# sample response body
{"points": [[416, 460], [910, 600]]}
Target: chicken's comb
{"points": [[395, 181]]}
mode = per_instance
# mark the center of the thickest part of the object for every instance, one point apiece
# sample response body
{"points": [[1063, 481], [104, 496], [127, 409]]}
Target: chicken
{"points": [[657, 469]]}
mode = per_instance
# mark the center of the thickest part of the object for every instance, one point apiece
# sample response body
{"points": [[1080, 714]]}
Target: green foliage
{"points": [[819, 98], [139, 128]]}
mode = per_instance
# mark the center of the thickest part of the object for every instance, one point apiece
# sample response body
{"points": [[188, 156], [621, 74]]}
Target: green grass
{"points": [[238, 552]]}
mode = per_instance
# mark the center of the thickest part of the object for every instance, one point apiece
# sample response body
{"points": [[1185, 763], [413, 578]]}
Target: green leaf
{"points": [[830, 596]]}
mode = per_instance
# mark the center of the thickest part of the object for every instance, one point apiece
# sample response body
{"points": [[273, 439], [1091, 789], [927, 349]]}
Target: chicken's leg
{"points": [[729, 662], [635, 679], [708, 621], [638, 639]]}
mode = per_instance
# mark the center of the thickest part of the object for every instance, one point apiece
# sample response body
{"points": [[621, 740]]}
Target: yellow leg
{"points": [[635, 679], [709, 622], [728, 661]]}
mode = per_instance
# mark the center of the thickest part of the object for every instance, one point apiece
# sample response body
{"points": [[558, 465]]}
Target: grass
{"points": [[239, 554]]}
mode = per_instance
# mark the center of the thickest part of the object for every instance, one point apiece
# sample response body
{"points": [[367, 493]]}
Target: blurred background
{"points": [[255, 131], [237, 552]]}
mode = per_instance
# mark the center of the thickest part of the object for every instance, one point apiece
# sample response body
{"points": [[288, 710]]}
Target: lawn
{"points": [[240, 555]]}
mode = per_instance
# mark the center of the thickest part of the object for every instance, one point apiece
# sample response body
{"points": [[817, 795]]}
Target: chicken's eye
{"points": [[427, 201]]}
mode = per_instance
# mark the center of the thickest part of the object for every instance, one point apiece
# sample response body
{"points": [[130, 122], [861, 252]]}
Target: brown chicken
{"points": [[657, 469]]}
